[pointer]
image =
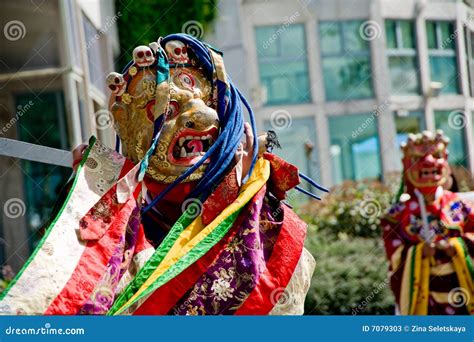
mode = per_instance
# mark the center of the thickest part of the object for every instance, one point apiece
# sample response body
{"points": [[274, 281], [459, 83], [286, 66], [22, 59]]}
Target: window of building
{"points": [[345, 61], [442, 55], [43, 124], [73, 37], [470, 57], [282, 63], [472, 127], [406, 123], [95, 53], [401, 53], [354, 150], [446, 121]]}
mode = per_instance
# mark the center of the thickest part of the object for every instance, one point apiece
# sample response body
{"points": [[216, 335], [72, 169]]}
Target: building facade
{"points": [[343, 82], [54, 57]]}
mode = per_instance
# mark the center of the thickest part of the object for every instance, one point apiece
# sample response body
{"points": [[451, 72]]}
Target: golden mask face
{"points": [[191, 124]]}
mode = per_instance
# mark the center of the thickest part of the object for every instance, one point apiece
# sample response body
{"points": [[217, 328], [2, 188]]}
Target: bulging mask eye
{"points": [[173, 109], [187, 80]]}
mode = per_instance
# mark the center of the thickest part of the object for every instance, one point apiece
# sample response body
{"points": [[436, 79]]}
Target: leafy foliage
{"points": [[143, 21], [353, 208], [351, 276]]}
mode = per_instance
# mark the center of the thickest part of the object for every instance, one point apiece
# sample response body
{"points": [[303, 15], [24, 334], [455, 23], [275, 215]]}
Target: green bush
{"points": [[353, 208], [350, 278]]}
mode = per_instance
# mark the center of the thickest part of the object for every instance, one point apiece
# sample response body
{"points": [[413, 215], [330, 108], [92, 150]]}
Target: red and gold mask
{"points": [[425, 161], [191, 124]]}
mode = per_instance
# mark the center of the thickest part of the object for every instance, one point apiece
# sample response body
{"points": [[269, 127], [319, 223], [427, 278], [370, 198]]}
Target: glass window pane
{"points": [[431, 34], [347, 77], [285, 82], [42, 182], [354, 147], [347, 72], [43, 125], [353, 40], [470, 62], [447, 36], [444, 70], [404, 75], [456, 147], [73, 43], [330, 38], [282, 64], [390, 32], [265, 43], [97, 72], [408, 38], [472, 127], [293, 42]]}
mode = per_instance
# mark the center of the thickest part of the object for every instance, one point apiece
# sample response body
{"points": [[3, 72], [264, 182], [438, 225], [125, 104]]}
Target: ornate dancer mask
{"points": [[425, 160], [189, 100]]}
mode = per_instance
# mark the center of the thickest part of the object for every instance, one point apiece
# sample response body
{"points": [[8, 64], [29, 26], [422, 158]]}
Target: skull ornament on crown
{"points": [[177, 52], [425, 161], [187, 100]]}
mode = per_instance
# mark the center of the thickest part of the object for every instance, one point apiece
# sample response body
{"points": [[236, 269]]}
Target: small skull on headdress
{"points": [[177, 52], [143, 56], [116, 83]]}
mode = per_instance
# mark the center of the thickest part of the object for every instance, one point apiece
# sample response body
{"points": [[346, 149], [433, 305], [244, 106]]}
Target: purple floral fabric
{"points": [[229, 280]]}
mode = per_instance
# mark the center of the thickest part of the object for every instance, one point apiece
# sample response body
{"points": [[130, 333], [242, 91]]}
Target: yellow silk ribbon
{"points": [[462, 271], [414, 293]]}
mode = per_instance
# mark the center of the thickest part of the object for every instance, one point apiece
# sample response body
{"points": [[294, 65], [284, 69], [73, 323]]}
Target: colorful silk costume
{"points": [[429, 235], [225, 242]]}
